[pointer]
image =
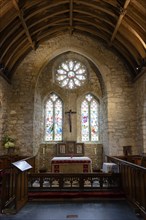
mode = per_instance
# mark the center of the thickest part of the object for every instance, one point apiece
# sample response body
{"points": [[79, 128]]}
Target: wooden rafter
{"points": [[20, 14], [123, 12], [123, 27], [71, 16]]}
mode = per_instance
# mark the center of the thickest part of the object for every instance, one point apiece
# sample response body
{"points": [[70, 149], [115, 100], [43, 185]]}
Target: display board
{"points": [[22, 165]]}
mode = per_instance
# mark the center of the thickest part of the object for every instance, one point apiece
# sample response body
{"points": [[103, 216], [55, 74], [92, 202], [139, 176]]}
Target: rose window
{"points": [[71, 74]]}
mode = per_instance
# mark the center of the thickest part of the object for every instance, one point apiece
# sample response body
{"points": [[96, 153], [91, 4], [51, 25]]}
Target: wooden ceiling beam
{"points": [[56, 14], [20, 14], [89, 24], [15, 40], [122, 14], [47, 7], [17, 48], [18, 55], [71, 16]]}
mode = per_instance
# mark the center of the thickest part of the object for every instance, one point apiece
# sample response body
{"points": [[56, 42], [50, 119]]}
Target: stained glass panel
{"points": [[76, 66], [85, 121], [58, 121], [94, 120], [89, 119], [53, 119], [53, 97], [49, 121], [89, 97]]}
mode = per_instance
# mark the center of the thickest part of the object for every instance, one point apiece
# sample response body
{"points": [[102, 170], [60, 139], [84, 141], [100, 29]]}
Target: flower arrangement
{"points": [[8, 142]]}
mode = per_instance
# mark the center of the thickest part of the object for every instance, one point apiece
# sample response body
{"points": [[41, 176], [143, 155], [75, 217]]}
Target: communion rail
{"points": [[73, 181], [133, 180]]}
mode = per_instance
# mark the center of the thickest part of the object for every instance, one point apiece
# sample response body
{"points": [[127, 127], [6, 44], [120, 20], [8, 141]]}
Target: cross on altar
{"points": [[69, 118]]}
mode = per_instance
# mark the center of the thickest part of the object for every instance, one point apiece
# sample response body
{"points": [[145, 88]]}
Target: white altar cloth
{"points": [[71, 159], [110, 168], [71, 164]]}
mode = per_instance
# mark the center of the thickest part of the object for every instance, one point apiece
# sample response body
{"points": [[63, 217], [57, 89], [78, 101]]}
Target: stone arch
{"points": [[93, 63], [107, 63]]}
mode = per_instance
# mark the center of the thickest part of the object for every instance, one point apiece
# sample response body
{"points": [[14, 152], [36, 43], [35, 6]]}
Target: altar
{"points": [[71, 165]]}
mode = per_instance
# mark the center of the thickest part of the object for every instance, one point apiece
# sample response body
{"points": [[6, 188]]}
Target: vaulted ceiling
{"points": [[25, 24]]}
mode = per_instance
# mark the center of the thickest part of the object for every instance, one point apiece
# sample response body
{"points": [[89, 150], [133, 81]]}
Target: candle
{"points": [[43, 150], [95, 150]]}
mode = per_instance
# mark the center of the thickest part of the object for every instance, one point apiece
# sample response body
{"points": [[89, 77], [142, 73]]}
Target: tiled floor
{"points": [[99, 210]]}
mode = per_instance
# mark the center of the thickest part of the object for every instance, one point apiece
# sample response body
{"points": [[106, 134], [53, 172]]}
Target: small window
{"points": [[53, 118], [89, 119]]}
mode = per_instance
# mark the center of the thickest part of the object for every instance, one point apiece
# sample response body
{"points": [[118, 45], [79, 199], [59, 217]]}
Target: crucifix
{"points": [[69, 118]]}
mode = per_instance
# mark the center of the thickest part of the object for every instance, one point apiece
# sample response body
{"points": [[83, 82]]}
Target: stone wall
{"points": [[119, 109], [118, 103], [22, 106], [121, 114], [95, 152], [140, 98], [5, 92]]}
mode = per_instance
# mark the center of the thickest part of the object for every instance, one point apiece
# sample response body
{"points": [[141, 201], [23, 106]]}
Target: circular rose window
{"points": [[71, 74]]}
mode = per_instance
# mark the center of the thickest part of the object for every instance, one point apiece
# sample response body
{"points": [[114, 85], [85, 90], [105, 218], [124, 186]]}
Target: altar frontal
{"points": [[71, 165]]}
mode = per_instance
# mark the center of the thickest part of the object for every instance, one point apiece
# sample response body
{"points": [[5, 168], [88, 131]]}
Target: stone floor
{"points": [[97, 210]]}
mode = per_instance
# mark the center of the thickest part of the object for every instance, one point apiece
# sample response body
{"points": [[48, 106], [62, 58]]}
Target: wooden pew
{"points": [[133, 180], [143, 161], [136, 159]]}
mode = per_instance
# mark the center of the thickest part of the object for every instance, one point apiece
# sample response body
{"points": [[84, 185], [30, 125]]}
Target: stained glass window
{"points": [[53, 118], [71, 74], [89, 119]]}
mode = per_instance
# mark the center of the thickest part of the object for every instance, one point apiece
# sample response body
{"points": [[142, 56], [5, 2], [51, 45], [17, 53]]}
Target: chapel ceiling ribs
{"points": [[121, 24]]}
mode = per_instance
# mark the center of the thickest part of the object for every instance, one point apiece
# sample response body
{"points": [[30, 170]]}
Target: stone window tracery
{"points": [[71, 74]]}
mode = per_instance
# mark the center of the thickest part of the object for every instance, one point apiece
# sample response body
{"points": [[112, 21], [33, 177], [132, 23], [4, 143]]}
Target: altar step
{"points": [[36, 196]]}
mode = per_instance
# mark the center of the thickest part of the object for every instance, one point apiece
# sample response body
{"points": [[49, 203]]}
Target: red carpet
{"points": [[66, 195]]}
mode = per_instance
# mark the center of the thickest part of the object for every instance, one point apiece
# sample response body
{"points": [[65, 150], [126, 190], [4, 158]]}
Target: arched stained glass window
{"points": [[53, 118], [89, 119]]}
